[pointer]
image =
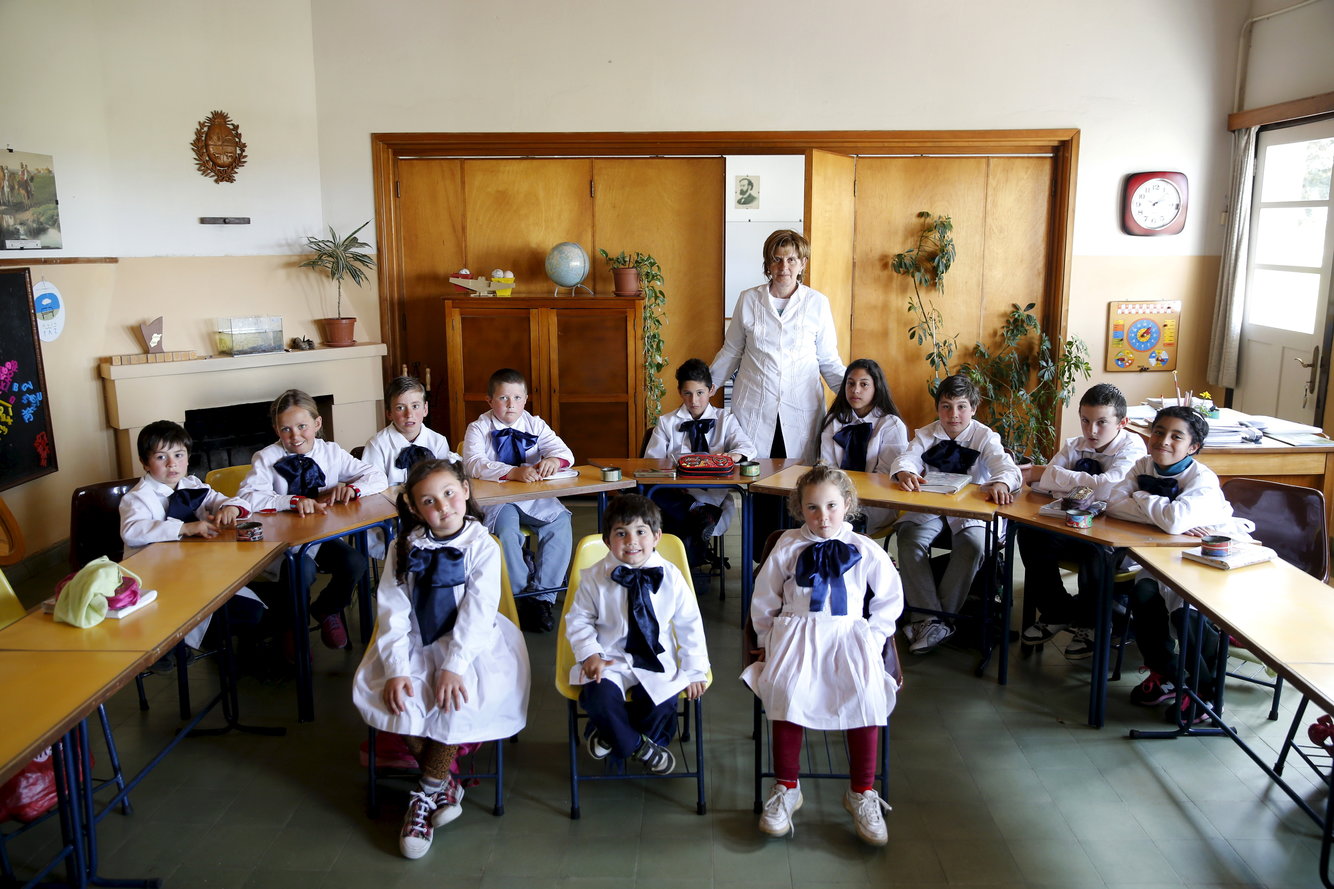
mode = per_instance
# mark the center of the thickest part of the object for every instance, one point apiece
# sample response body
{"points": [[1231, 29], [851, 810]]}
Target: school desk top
{"points": [[192, 577], [286, 526], [768, 467], [880, 489], [589, 481], [1117, 533]]}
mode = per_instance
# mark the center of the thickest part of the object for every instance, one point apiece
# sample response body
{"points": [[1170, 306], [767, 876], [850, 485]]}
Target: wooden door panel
{"points": [[593, 354], [830, 227], [671, 208], [519, 208], [1018, 243], [595, 429], [483, 339]]}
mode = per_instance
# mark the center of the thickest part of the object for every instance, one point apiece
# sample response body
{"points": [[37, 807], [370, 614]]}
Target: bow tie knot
{"points": [[821, 567], [184, 503], [511, 445], [950, 456], [410, 456], [698, 430], [1088, 465], [853, 439], [1163, 487], [439, 573], [642, 642], [303, 475]]}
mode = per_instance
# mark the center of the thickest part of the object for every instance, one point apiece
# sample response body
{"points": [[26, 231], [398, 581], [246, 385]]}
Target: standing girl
{"points": [[306, 474], [445, 669], [823, 663], [863, 432]]}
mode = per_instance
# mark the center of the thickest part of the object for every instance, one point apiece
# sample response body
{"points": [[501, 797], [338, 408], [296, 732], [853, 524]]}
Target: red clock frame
{"points": [[1133, 182]]}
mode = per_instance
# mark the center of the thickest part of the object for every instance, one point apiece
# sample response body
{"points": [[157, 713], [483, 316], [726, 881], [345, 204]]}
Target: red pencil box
{"points": [[705, 464]]}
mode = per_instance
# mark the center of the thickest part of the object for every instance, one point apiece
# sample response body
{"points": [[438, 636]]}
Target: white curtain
{"points": [[1230, 304]]}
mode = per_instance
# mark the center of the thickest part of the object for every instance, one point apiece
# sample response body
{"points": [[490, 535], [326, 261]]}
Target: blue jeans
{"points": [[620, 722], [553, 550]]}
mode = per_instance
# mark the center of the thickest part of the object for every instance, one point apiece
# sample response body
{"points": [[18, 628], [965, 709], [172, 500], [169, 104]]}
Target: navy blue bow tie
{"points": [[950, 456], [411, 455], [642, 642], [303, 475], [1088, 465], [1163, 487], [853, 439], [512, 445], [821, 567], [439, 573], [698, 430], [183, 503]]}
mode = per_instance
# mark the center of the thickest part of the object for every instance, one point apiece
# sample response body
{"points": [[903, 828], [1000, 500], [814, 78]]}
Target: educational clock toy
{"points": [[1143, 336]]}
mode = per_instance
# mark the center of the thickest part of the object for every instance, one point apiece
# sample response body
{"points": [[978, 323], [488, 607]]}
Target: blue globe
{"points": [[567, 264]]}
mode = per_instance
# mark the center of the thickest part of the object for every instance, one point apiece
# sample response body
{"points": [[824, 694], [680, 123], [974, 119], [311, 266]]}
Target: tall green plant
{"points": [[1023, 383], [925, 265], [340, 258], [655, 300]]}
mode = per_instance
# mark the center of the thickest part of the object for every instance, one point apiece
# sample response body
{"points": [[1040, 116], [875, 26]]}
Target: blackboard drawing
{"points": [[29, 211], [27, 448]]}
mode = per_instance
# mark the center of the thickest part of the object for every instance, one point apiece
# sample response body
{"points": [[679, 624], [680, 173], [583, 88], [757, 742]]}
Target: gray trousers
{"points": [[919, 584]]}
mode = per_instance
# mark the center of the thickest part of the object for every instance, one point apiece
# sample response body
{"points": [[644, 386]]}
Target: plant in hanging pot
{"points": [[649, 279], [340, 258], [626, 279]]}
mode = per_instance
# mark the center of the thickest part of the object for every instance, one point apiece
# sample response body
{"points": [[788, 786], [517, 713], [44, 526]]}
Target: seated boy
{"points": [[697, 514], [1169, 488], [1098, 459], [407, 438], [635, 628], [507, 442], [955, 443], [168, 504]]}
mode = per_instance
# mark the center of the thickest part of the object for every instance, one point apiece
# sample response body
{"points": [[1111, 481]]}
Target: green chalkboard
{"points": [[27, 449]]}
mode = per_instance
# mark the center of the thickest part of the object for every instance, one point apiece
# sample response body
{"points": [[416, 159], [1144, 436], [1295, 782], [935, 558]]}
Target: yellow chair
{"points": [[11, 537], [11, 609], [227, 480], [507, 610], [587, 553]]}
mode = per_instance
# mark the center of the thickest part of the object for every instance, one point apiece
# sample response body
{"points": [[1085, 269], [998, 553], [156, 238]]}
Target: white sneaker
{"points": [[449, 803], [414, 840], [931, 635], [865, 808], [909, 631], [776, 819], [1039, 633]]}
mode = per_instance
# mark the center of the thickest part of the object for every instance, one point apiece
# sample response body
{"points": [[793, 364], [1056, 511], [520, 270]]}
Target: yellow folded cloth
{"points": [[83, 599]]}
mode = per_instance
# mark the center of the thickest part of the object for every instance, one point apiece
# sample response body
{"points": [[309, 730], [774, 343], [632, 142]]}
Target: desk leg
{"points": [[1327, 836], [1007, 603], [87, 814], [305, 683], [747, 552], [1102, 650]]}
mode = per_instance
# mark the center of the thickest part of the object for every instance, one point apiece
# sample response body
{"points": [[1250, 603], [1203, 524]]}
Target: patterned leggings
{"points": [[434, 758]]}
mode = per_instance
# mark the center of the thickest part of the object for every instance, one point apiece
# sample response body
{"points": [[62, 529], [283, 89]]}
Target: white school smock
{"points": [[383, 449], [479, 461], [888, 439], [778, 361], [483, 647], [727, 437], [824, 671], [1059, 478], [265, 489], [143, 520], [598, 622], [992, 464]]}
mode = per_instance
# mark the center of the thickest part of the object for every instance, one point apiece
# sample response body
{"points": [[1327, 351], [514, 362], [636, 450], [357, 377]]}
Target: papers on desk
{"points": [[1246, 554], [1274, 425], [146, 597], [936, 482], [1226, 432]]}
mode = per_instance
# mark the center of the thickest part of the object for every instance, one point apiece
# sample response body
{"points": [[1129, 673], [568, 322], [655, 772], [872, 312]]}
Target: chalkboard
{"points": [[27, 449]]}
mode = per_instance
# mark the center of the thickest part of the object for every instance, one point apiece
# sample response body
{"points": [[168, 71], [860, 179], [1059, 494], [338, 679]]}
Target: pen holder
{"points": [[611, 473], [1216, 546], [749, 468], [1079, 518]]}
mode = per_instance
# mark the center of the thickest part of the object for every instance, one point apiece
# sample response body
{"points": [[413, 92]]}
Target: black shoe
{"points": [[535, 615]]}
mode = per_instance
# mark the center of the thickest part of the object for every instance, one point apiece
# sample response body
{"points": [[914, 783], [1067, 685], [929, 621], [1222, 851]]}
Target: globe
{"points": [[567, 264]]}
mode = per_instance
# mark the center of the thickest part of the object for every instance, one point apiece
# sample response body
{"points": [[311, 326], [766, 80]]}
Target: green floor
{"points": [[991, 786]]}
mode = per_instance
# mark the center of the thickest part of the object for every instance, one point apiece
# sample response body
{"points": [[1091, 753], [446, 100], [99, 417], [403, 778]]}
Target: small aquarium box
{"points": [[250, 336]]}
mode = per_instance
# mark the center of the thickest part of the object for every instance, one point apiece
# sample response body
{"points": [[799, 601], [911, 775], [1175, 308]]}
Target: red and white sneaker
{"points": [[449, 803], [414, 840]]}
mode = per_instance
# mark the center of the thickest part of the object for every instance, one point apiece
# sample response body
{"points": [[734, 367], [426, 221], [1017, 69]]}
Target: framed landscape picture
{"points": [[29, 211]]}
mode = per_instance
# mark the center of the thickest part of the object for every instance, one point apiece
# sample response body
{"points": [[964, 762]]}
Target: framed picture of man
{"points": [[746, 193]]}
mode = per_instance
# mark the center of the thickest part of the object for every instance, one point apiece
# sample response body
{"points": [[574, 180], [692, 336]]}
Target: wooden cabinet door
{"points": [[597, 377], [483, 336]]}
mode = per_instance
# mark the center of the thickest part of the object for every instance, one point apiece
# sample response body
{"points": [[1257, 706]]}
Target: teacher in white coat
{"points": [[780, 343]]}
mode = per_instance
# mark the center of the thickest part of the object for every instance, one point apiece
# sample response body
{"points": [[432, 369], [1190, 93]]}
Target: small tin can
{"points": [[611, 473], [1079, 518], [251, 531], [749, 468], [1216, 546]]}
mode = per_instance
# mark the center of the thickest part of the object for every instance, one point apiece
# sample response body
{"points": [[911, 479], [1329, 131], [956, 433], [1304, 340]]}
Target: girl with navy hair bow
{"points": [[824, 607], [864, 432], [445, 669], [304, 473]]}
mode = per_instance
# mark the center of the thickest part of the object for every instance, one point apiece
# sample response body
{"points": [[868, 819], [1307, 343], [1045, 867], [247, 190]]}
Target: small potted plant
{"points": [[625, 277], [340, 258]]}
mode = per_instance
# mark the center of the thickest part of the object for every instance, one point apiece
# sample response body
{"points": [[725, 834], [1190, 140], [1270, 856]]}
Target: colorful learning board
{"points": [[26, 447], [1143, 336]]}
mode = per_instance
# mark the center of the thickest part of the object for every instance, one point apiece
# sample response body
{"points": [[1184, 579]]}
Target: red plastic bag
{"points": [[32, 792]]}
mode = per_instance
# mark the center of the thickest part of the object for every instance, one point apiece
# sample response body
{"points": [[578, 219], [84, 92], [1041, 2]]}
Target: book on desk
{"points": [[936, 482], [146, 597], [1248, 554]]}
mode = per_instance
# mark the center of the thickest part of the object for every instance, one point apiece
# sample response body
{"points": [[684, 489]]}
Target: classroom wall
{"points": [[123, 86]]}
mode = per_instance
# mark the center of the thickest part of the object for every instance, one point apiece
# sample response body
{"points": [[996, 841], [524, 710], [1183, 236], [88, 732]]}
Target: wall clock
{"points": [[1155, 203]]}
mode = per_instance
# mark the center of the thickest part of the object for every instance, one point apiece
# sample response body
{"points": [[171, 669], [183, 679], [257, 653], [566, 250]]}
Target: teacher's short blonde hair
{"points": [[785, 237]]}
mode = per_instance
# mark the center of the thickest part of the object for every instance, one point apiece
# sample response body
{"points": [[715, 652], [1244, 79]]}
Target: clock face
{"points": [[1155, 203]]}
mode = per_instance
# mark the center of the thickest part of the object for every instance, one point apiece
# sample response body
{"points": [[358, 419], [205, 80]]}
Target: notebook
{"points": [[1243, 555], [945, 482], [146, 597]]}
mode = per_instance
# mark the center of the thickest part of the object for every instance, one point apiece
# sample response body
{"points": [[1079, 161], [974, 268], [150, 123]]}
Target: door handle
{"points": [[1315, 369]]}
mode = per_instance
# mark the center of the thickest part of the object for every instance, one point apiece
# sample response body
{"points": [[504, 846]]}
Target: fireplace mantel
{"points": [[138, 394]]}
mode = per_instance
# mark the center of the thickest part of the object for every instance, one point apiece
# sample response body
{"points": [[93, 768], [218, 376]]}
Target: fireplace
{"points": [[230, 435]]}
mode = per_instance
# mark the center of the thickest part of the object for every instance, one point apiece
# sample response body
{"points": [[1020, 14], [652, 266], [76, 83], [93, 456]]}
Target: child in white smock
{"points": [[862, 432]]}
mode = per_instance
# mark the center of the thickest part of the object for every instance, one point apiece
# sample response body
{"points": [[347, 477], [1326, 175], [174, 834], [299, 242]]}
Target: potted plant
{"points": [[1024, 383], [648, 278], [625, 277], [925, 265], [340, 258]]}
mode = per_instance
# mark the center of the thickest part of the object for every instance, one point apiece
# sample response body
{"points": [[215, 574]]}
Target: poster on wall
{"points": [[1143, 336], [49, 307], [27, 449], [746, 193], [29, 211]]}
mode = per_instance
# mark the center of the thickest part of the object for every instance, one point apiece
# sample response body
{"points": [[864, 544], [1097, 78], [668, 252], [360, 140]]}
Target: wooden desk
{"points": [[589, 481]]}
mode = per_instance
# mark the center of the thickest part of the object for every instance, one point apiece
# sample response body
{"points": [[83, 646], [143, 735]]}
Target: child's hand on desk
{"points": [[227, 516], [343, 494], [548, 466], [450, 693], [909, 481], [593, 666], [999, 493], [523, 474], [307, 506], [396, 693], [203, 529], [694, 690]]}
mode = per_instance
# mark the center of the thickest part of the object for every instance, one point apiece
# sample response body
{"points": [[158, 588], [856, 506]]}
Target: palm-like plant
{"points": [[341, 258]]}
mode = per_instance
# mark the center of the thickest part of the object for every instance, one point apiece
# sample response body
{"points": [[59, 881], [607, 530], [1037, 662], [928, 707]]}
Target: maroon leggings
{"points": [[862, 749]]}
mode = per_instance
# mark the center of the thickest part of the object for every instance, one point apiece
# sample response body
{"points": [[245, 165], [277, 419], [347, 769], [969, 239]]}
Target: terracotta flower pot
{"points": [[625, 281], [337, 331]]}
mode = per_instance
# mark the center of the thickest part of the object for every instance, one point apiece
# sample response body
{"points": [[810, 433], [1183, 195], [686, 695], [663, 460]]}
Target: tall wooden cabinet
{"points": [[582, 357]]}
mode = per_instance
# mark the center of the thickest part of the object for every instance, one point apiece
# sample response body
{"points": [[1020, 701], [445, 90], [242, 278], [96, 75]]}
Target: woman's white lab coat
{"points": [[778, 361]]}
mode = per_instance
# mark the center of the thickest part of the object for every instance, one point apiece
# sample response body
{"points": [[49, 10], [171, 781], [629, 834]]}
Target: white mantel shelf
{"points": [[242, 362]]}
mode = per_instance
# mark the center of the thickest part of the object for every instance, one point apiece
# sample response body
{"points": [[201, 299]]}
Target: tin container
{"points": [[1216, 546], [1079, 518], [749, 468], [251, 531], [611, 473]]}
